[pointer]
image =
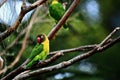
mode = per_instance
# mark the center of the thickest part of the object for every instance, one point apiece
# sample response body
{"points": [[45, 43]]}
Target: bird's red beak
{"points": [[38, 40]]}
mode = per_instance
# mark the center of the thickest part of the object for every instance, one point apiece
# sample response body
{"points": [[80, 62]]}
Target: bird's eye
{"points": [[40, 38]]}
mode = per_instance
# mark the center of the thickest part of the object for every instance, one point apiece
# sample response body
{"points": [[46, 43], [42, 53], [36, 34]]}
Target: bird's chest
{"points": [[46, 48], [56, 11]]}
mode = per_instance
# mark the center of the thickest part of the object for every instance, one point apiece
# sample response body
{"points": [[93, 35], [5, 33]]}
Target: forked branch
{"points": [[64, 64]]}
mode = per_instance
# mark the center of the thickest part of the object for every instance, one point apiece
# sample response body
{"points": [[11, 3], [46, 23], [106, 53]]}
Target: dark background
{"points": [[91, 22]]}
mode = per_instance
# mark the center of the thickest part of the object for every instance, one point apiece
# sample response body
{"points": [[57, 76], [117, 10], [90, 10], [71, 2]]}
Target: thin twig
{"points": [[20, 69], [48, 61], [3, 1], [24, 10], [13, 43], [25, 39], [108, 37], [111, 43], [10, 30], [24, 42], [81, 48]]}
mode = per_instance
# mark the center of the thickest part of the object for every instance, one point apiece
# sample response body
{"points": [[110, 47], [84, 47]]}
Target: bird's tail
{"points": [[66, 26], [29, 65]]}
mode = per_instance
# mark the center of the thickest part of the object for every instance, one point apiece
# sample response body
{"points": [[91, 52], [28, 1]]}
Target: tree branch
{"points": [[24, 10], [55, 54], [24, 43], [14, 42], [20, 69], [48, 61], [2, 2], [62, 64], [108, 37], [81, 48], [100, 47], [10, 30], [73, 60]]}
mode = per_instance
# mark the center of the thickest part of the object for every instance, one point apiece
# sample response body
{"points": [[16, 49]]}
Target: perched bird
{"points": [[40, 51], [57, 10]]}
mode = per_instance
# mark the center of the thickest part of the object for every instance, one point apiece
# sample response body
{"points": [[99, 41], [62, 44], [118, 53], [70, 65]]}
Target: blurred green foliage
{"points": [[84, 31]]}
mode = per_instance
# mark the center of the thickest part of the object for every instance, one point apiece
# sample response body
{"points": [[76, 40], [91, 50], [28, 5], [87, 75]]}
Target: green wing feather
{"points": [[39, 52], [35, 55], [36, 50], [37, 58], [56, 11]]}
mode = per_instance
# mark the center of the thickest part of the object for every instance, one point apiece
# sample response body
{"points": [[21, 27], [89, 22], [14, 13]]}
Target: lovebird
{"points": [[56, 11], [40, 51]]}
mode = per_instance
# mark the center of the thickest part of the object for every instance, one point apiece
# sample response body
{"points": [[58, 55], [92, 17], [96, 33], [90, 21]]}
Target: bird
{"points": [[56, 11], [40, 51]]}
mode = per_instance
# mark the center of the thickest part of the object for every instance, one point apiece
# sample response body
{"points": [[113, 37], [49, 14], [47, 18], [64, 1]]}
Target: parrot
{"points": [[56, 11], [40, 51]]}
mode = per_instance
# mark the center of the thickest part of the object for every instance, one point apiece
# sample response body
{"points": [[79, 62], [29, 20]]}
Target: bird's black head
{"points": [[40, 38]]}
